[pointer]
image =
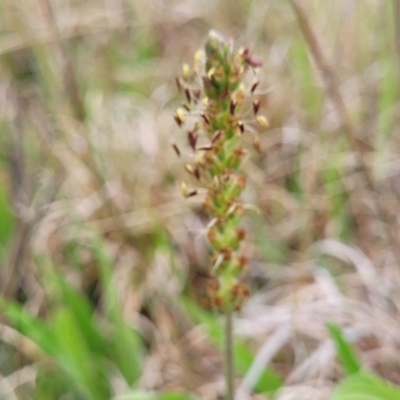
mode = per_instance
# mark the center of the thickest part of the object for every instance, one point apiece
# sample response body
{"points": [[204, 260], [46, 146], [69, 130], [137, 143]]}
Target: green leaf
{"points": [[127, 349], [6, 217], [75, 356], [176, 396], [344, 350], [269, 380], [365, 386], [83, 314], [137, 395], [54, 384], [29, 326]]}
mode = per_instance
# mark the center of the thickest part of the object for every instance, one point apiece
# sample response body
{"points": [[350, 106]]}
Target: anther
{"points": [[192, 139], [256, 106], [254, 86], [187, 94], [176, 148]]}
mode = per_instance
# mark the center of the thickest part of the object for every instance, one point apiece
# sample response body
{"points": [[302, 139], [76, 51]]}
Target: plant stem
{"points": [[229, 361]]}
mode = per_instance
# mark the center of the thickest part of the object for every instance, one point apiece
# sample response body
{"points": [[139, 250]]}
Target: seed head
{"points": [[214, 87]]}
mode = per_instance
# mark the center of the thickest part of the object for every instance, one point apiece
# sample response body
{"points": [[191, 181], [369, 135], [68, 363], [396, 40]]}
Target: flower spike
{"points": [[219, 72]]}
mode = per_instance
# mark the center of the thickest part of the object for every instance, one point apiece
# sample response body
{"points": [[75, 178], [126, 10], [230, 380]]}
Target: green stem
{"points": [[229, 361]]}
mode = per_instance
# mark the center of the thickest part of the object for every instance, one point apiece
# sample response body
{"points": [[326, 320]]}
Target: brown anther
{"points": [[205, 117], [216, 136], [241, 126], [242, 261], [178, 121], [224, 94], [193, 170], [227, 253], [240, 234], [240, 291], [197, 94], [206, 148], [176, 148], [192, 139], [257, 144], [178, 83], [185, 191], [205, 302], [185, 106], [239, 152], [232, 107], [212, 286], [235, 289], [207, 82], [187, 94], [217, 301], [196, 172], [207, 205], [212, 234], [179, 116], [239, 210], [192, 193], [241, 181], [254, 86], [256, 106]]}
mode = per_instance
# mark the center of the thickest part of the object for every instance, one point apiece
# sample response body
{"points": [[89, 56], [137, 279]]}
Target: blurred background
{"points": [[103, 264]]}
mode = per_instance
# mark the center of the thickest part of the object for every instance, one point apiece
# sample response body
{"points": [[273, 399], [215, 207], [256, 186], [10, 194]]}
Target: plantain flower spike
{"points": [[216, 86]]}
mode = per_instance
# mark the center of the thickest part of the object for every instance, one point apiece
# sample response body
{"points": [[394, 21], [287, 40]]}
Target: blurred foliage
{"points": [[103, 265]]}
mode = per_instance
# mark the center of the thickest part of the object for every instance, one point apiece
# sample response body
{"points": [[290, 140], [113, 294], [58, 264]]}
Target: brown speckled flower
{"points": [[215, 95]]}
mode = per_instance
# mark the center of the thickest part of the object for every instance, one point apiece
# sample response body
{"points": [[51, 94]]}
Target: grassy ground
{"points": [[103, 263]]}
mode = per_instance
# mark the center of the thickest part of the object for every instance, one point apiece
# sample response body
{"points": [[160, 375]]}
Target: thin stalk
{"points": [[229, 359]]}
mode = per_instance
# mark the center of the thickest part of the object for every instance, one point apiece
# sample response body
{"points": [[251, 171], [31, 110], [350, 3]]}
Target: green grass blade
{"points": [[6, 217], [127, 349], [347, 355], [83, 314], [76, 358], [29, 326], [365, 386]]}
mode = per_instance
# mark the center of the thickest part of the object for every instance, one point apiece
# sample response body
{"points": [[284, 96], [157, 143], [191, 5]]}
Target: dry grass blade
{"points": [[264, 356], [9, 384]]}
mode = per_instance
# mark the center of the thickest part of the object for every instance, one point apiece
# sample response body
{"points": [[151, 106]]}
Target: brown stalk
{"points": [[332, 90], [71, 86]]}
